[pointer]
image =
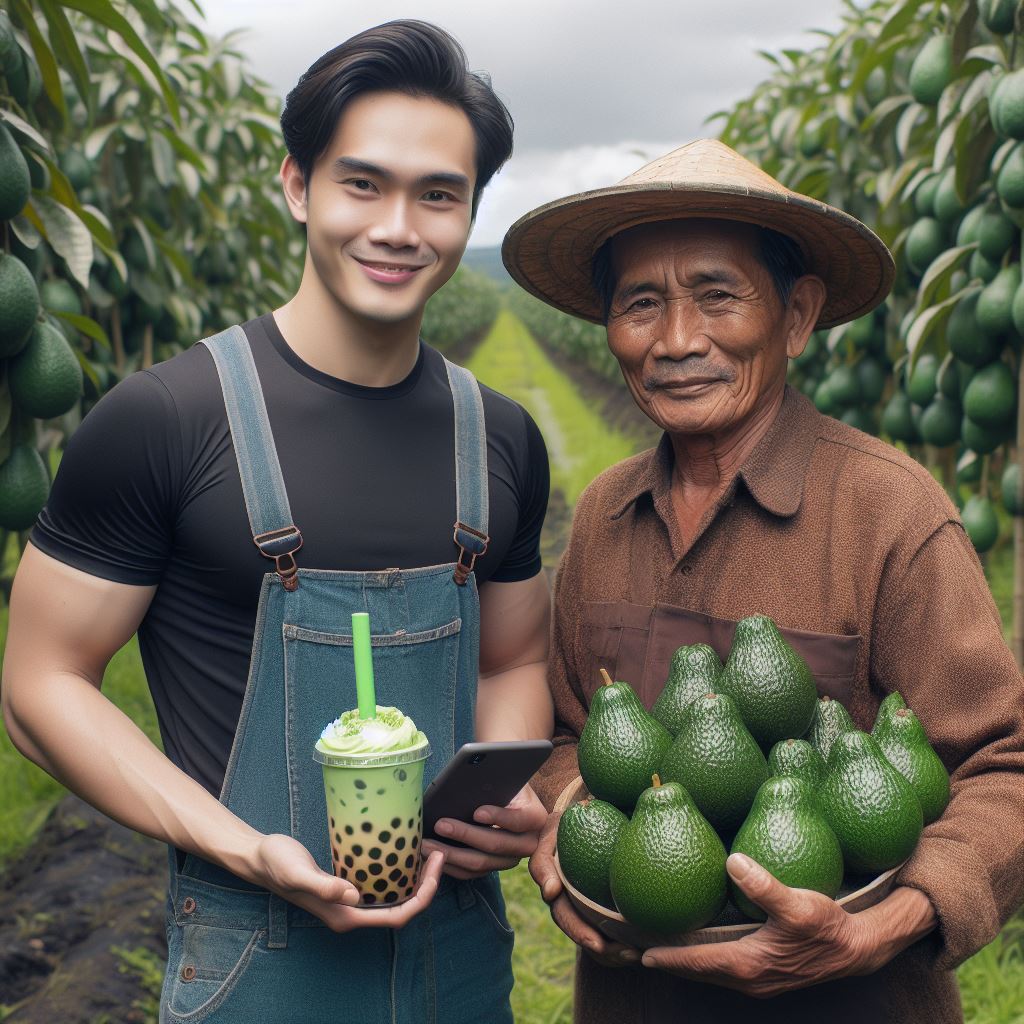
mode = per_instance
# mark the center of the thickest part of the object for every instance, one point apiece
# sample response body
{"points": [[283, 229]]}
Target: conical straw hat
{"points": [[549, 252]]}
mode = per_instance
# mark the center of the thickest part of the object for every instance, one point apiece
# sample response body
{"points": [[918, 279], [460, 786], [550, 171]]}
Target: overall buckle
{"points": [[281, 545], [471, 543]]}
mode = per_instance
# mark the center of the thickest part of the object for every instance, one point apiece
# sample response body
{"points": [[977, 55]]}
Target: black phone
{"points": [[480, 773]]}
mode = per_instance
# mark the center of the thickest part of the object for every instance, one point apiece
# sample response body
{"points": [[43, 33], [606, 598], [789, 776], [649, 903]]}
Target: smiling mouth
{"points": [[683, 384], [388, 267]]}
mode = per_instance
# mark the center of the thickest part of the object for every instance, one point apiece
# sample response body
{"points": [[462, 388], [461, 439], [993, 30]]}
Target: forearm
{"points": [[901, 919], [72, 731], [514, 704]]}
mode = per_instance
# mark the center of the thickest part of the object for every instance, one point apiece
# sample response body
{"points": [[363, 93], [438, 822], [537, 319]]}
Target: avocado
{"points": [[770, 683], [798, 759], [872, 809], [692, 672], [668, 869], [905, 745], [830, 720], [717, 760], [587, 834], [621, 745], [787, 835], [890, 704]]}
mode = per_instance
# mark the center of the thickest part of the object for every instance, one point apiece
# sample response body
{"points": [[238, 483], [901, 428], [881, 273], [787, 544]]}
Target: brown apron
{"points": [[635, 643]]}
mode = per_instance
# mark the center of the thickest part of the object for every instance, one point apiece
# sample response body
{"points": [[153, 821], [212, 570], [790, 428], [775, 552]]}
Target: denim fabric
{"points": [[239, 954]]}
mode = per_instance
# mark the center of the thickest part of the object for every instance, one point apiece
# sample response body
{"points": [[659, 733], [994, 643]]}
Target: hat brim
{"points": [[550, 250]]}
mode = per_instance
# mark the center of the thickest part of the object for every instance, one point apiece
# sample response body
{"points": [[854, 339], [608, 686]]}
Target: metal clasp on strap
{"points": [[471, 543], [281, 545]]}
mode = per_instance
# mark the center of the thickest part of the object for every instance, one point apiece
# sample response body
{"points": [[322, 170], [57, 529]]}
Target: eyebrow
{"points": [[714, 276], [351, 163]]}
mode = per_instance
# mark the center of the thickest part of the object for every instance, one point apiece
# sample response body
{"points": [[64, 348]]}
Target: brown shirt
{"points": [[859, 556]]}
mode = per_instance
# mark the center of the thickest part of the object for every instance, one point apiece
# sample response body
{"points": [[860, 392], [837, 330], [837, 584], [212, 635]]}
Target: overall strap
{"points": [[471, 513], [266, 501]]}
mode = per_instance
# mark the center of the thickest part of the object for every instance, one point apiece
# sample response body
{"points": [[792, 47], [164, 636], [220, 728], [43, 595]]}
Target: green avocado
{"points": [[693, 671], [587, 834], [830, 720], [621, 745], [717, 760], [798, 759], [787, 835], [870, 806], [770, 683], [905, 745], [668, 869]]}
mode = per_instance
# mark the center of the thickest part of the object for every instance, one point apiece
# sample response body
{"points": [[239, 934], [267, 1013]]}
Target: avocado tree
{"points": [[911, 117]]}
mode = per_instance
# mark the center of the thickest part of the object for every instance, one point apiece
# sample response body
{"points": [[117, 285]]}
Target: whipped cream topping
{"points": [[390, 730]]}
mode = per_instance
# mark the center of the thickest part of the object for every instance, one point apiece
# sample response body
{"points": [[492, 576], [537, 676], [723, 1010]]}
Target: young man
{"points": [[327, 433]]}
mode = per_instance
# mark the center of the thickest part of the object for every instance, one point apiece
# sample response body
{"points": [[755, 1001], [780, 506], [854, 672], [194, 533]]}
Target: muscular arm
{"points": [[65, 625]]}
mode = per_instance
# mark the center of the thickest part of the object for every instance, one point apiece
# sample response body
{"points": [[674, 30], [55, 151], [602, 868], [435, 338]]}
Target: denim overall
{"points": [[237, 953]]}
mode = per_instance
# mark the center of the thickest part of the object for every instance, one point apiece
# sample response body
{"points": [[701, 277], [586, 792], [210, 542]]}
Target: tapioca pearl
{"points": [[349, 830], [391, 859], [401, 775], [349, 862], [385, 836], [361, 875], [331, 788], [381, 792], [414, 842], [369, 898], [412, 823], [332, 823], [403, 880], [391, 897], [376, 868], [364, 810], [381, 885], [396, 822], [395, 874], [374, 853], [367, 826], [359, 784], [337, 837], [357, 850], [410, 860], [409, 890], [400, 843], [334, 854]]}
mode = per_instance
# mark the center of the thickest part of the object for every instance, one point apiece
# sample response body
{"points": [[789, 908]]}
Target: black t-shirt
{"points": [[148, 492]]}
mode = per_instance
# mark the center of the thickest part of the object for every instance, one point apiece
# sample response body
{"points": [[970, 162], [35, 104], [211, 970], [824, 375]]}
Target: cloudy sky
{"points": [[596, 87]]}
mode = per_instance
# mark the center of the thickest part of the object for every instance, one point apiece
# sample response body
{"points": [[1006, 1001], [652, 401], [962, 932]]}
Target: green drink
{"points": [[373, 784]]}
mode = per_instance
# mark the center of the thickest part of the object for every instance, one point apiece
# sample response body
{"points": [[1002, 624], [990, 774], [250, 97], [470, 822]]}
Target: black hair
{"points": [[779, 254], [407, 56]]}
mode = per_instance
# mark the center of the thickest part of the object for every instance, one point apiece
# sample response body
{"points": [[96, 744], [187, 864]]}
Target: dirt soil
{"points": [[88, 887]]}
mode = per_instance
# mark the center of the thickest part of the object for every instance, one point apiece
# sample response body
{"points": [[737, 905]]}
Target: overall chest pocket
{"points": [[413, 671]]}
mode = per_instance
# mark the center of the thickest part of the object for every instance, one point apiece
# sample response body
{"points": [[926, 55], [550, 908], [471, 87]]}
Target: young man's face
{"points": [[388, 206]]}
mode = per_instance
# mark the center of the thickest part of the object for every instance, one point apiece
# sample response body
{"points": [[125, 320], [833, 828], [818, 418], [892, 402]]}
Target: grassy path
{"points": [[579, 442]]}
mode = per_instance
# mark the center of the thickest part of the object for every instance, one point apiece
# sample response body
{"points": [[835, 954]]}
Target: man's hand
{"points": [[542, 868], [503, 838], [807, 939], [284, 866]]}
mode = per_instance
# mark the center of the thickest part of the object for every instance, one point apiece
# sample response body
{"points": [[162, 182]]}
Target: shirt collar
{"points": [[774, 473]]}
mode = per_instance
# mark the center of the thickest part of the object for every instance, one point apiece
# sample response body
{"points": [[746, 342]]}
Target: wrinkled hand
{"points": [[503, 837], [542, 868], [807, 939], [284, 866]]}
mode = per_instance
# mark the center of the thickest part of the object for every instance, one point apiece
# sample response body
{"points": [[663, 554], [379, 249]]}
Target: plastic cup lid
{"points": [[384, 759]]}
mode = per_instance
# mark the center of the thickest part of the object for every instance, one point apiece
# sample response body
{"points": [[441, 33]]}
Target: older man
{"points": [[709, 276]]}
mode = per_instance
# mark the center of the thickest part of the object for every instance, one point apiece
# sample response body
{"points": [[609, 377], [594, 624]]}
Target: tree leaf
{"points": [[164, 164], [939, 273], [901, 17], [907, 122], [25, 129], [85, 324], [67, 234], [65, 47], [963, 32], [98, 138], [87, 368], [44, 56], [26, 231], [890, 105], [104, 12], [928, 329]]}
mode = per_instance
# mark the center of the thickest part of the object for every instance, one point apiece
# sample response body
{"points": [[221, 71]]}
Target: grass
{"points": [[992, 981], [579, 443]]}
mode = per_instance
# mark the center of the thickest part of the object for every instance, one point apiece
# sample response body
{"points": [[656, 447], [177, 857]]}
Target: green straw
{"points": [[363, 655]]}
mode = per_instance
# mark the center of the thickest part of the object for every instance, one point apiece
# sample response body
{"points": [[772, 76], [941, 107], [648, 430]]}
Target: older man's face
{"points": [[696, 324]]}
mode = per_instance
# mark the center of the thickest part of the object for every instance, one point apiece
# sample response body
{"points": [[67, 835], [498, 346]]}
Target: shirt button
{"points": [[687, 570], [189, 906], [188, 973]]}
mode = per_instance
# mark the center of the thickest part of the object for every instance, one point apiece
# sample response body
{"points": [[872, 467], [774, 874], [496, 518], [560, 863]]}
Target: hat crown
{"points": [[705, 161]]}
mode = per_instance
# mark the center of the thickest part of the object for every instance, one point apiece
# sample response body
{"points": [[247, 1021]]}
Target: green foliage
{"points": [[462, 310]]}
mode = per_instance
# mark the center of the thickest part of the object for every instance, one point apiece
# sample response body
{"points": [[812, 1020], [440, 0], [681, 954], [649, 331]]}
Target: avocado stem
{"points": [[655, 780], [607, 678]]}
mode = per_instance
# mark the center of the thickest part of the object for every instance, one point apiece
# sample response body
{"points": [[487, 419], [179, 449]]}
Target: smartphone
{"points": [[481, 773]]}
